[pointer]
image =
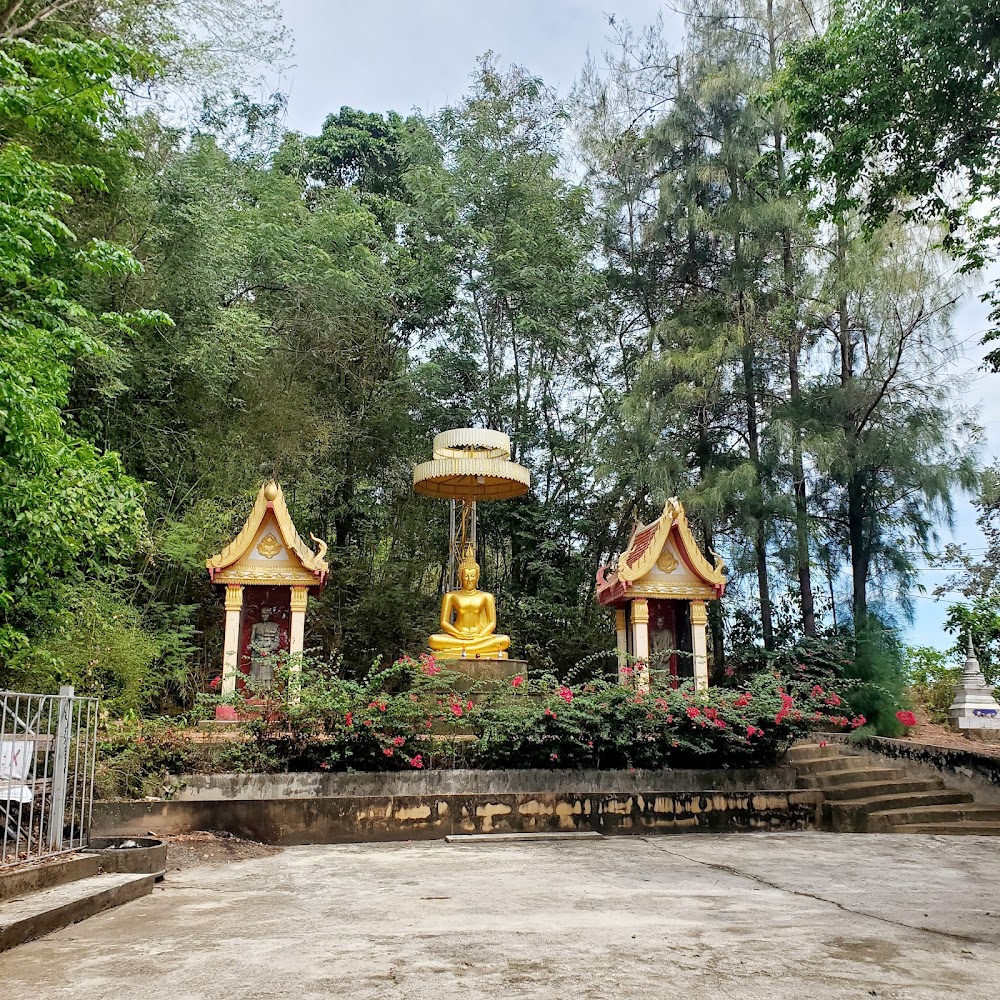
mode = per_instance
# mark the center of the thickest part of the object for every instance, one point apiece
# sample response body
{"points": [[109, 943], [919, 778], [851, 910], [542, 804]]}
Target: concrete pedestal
{"points": [[974, 707]]}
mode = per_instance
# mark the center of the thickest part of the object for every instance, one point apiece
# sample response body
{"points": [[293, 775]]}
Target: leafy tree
{"points": [[67, 507], [895, 107]]}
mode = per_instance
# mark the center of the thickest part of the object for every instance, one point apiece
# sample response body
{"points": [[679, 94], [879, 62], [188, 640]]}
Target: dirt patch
{"points": [[204, 847], [934, 735]]}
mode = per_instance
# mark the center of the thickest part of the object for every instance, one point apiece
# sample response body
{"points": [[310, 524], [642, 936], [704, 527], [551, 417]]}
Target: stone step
{"points": [[17, 882], [963, 829], [809, 751], [842, 762], [884, 821], [851, 815], [50, 909], [826, 779], [868, 789]]}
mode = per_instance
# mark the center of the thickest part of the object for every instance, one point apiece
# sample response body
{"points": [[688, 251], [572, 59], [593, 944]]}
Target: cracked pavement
{"points": [[796, 915]]}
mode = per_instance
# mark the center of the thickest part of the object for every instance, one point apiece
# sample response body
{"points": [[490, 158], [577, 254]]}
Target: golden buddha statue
{"points": [[473, 631]]}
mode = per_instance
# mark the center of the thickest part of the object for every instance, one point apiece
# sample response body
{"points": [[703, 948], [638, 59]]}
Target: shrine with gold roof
{"points": [[268, 572], [659, 588]]}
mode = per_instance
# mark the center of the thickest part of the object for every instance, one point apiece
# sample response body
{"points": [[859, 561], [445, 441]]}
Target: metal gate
{"points": [[48, 750]]}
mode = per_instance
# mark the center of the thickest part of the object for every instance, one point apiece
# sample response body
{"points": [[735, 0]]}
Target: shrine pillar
{"points": [[699, 644], [231, 649], [640, 642], [621, 644]]}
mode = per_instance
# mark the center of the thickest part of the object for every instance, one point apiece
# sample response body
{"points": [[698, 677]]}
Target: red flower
{"points": [[754, 731], [833, 700], [566, 694], [553, 756], [711, 713], [817, 692], [398, 741], [324, 766], [858, 722], [468, 705], [551, 714], [456, 709], [743, 700], [348, 720], [216, 681], [517, 681], [417, 761], [368, 722], [906, 718], [388, 751], [693, 712]]}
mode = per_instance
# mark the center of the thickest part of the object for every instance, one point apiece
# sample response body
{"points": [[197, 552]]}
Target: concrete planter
{"points": [[148, 857]]}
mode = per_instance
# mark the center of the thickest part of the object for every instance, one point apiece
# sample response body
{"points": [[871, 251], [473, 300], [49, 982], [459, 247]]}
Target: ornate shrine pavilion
{"points": [[658, 588], [268, 572]]}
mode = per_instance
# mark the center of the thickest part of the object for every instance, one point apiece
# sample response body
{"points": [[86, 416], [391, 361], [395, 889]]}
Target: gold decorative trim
{"points": [[666, 563], [234, 596], [299, 599], [640, 611], [266, 575], [699, 615], [679, 590], [269, 546], [673, 516], [270, 497]]}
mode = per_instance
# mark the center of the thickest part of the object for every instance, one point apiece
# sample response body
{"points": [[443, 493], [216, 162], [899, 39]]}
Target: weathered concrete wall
{"points": [[310, 784], [352, 819], [963, 770]]}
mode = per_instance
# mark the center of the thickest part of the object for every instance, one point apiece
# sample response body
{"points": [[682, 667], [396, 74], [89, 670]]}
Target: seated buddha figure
{"points": [[469, 619]]}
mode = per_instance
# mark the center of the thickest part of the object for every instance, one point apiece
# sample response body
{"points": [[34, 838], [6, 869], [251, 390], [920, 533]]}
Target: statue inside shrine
{"points": [[265, 641], [469, 619]]}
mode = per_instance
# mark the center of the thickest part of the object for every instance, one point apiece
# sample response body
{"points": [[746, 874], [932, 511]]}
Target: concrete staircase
{"points": [[863, 797], [42, 898]]}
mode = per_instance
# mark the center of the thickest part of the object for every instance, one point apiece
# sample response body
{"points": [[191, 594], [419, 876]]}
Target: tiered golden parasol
{"points": [[469, 464]]}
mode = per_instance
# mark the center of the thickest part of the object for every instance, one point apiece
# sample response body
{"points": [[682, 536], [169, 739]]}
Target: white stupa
{"points": [[974, 706]]}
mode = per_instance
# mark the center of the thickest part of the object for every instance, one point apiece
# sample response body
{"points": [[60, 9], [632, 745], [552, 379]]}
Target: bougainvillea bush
{"points": [[414, 715]]}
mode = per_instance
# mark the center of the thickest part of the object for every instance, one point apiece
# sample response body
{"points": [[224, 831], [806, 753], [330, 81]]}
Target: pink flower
{"points": [[324, 766], [216, 681], [730, 671], [823, 743], [456, 709], [517, 681], [754, 731], [348, 720], [398, 741], [388, 751], [553, 756], [858, 722], [566, 694], [817, 692], [906, 718], [711, 713], [693, 712], [833, 700], [550, 714], [417, 761], [468, 705]]}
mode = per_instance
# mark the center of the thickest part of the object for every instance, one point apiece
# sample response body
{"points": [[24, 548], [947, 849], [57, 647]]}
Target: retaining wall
{"points": [[343, 808]]}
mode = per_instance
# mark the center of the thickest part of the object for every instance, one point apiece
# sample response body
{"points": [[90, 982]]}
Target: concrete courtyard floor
{"points": [[741, 916]]}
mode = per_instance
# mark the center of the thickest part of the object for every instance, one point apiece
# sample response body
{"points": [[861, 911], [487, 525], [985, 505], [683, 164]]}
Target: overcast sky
{"points": [[400, 55]]}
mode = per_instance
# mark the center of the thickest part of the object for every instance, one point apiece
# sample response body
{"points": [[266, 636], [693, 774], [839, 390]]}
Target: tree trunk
{"points": [[794, 352]]}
